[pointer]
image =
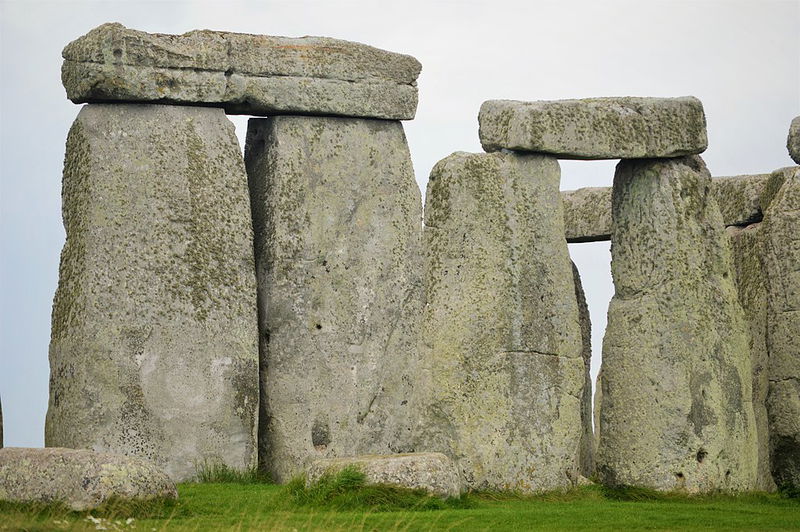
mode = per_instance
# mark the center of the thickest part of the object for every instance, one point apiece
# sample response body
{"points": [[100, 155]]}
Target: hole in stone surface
{"points": [[117, 53], [701, 455], [318, 326], [679, 476]]}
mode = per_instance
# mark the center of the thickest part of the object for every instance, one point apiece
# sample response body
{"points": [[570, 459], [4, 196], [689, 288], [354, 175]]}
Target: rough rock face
{"points": [[154, 336], [793, 141], [596, 128], [245, 74], [80, 479], [587, 439], [676, 408], [587, 211], [503, 375], [747, 249], [782, 264], [433, 472], [337, 217]]}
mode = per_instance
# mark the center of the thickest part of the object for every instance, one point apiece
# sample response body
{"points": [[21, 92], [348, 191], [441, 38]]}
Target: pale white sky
{"points": [[741, 58]]}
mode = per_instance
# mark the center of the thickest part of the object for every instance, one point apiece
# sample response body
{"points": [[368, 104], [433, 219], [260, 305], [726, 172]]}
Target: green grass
{"points": [[343, 502]]}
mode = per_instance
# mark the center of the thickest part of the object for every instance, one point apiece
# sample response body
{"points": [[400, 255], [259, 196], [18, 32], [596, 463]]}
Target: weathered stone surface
{"points": [[747, 249], [587, 214], [596, 128], [433, 472], [503, 375], [154, 336], [337, 216], [245, 74], [676, 408], [80, 479], [587, 211], [587, 439], [793, 141], [1, 425], [782, 264]]}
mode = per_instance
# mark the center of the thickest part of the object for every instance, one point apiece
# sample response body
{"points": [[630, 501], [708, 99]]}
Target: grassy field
{"points": [[345, 504]]}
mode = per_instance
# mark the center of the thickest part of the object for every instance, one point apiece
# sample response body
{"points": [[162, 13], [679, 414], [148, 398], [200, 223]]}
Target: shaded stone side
{"points": [[154, 332], [596, 128], [245, 74], [676, 408], [793, 140], [782, 263], [503, 374], [747, 249], [587, 438], [337, 217]]}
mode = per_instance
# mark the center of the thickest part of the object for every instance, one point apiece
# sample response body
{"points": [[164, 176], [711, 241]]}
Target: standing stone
{"points": [[587, 439], [676, 407], [503, 375], [596, 128], [337, 217], [747, 249], [154, 336], [782, 263], [793, 141]]}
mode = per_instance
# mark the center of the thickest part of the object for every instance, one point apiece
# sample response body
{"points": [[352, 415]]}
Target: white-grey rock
{"points": [[79, 479], [793, 141], [596, 128], [676, 408], [337, 216], [433, 472], [502, 381], [154, 337], [245, 74], [587, 211]]}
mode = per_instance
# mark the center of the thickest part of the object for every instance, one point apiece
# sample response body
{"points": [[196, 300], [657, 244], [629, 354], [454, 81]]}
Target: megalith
{"points": [[153, 350], [501, 383], [676, 409], [337, 217], [587, 439], [793, 140]]}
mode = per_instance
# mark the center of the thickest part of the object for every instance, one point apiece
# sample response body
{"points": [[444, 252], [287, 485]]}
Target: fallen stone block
{"points": [[501, 385], [244, 74], [154, 346], [677, 407], [596, 128], [79, 479], [337, 215], [433, 472], [793, 141], [587, 211]]}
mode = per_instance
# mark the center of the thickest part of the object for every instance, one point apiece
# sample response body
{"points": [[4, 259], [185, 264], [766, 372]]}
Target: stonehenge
{"points": [[295, 308]]}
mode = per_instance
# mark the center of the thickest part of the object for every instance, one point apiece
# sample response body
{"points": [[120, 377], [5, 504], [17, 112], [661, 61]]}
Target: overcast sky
{"points": [[741, 58]]}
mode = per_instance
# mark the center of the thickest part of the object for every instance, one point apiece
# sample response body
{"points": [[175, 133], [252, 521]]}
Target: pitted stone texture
{"points": [[337, 216], [741, 200], [587, 439], [245, 74], [503, 375], [747, 249], [596, 128], [793, 141], [587, 214], [782, 263], [433, 472], [79, 479], [154, 339], [677, 408]]}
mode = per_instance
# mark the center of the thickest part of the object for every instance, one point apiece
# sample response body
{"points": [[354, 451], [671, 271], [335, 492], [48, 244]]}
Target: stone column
{"points": [[676, 407], [337, 217], [503, 374], [587, 439], [154, 335]]}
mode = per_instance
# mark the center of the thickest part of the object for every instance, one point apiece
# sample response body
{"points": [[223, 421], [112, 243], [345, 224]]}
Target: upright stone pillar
{"points": [[676, 407], [503, 373], [782, 264], [154, 336], [587, 439], [337, 217]]}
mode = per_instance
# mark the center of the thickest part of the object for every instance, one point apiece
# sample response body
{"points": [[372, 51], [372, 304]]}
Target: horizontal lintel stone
{"points": [[244, 74], [596, 128]]}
